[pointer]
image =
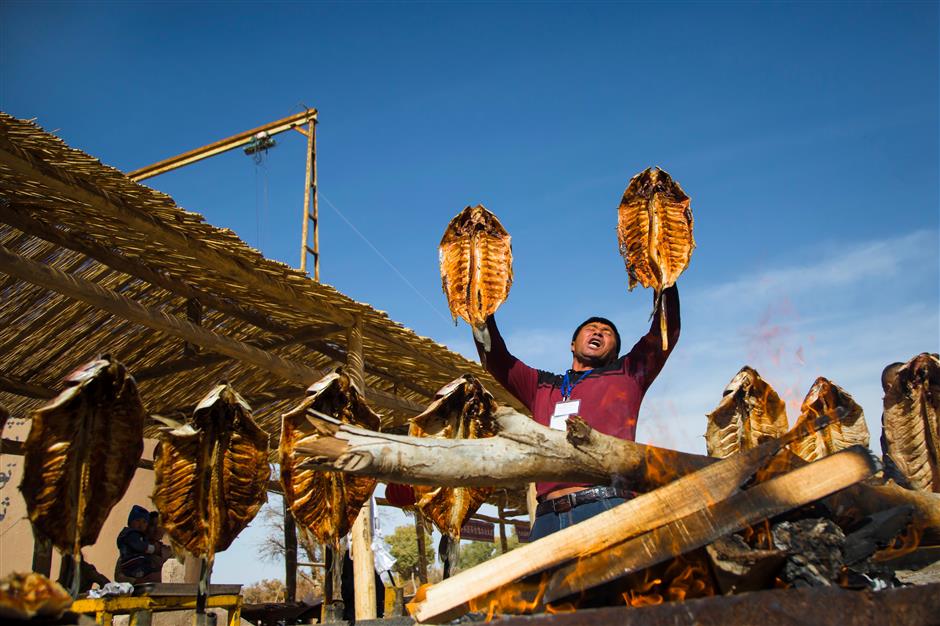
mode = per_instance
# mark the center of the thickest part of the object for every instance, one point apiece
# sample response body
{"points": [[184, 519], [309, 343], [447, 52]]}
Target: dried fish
{"points": [[325, 503], [81, 454], [750, 412], [654, 229], [25, 596], [846, 426], [910, 436], [211, 475], [476, 265], [462, 409]]}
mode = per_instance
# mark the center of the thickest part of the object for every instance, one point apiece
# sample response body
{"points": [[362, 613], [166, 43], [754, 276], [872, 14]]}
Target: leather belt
{"points": [[567, 502]]}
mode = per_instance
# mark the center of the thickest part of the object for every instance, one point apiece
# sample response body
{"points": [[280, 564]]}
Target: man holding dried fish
{"points": [[654, 232], [601, 387]]}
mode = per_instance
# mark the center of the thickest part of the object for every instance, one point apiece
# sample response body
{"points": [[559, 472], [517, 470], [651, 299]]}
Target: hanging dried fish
{"points": [[750, 412], [81, 454], [462, 409], [211, 475], [910, 436], [476, 265], [654, 229], [325, 503], [846, 427]]}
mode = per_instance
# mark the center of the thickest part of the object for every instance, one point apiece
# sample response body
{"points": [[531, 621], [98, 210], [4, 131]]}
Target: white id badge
{"points": [[562, 411]]}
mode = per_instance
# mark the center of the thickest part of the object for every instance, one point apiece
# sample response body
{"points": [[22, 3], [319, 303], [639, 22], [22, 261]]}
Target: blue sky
{"points": [[806, 135]]}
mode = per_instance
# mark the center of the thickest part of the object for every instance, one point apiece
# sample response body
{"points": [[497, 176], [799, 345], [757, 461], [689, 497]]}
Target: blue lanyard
{"points": [[567, 388]]}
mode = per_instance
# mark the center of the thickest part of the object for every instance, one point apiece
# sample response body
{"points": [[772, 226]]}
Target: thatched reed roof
{"points": [[92, 262]]}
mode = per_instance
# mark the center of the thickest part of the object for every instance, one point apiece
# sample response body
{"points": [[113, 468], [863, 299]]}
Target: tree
{"points": [[403, 544], [267, 590], [474, 553]]}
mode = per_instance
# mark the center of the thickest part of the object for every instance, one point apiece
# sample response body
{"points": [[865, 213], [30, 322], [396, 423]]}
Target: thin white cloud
{"points": [[838, 265]]}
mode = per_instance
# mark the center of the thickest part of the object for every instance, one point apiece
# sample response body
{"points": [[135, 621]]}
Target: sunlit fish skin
{"points": [[325, 504], [211, 474], [750, 412], [462, 409], [654, 231], [81, 454], [910, 436], [846, 426], [476, 265]]}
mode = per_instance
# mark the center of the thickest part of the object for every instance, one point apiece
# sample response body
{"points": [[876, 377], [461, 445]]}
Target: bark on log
{"points": [[523, 451]]}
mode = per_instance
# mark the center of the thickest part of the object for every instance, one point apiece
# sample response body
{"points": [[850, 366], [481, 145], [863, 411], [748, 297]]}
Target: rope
{"points": [[382, 256]]}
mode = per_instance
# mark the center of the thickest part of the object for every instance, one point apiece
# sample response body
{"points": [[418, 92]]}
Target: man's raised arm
{"points": [[518, 378], [647, 357]]}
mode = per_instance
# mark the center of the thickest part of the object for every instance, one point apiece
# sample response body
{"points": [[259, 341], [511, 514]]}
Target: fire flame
{"points": [[903, 544], [686, 577]]}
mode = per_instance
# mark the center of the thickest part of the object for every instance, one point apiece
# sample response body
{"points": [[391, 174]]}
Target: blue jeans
{"points": [[550, 522]]}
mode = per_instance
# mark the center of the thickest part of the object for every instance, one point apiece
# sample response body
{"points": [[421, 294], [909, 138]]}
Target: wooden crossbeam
{"points": [[522, 452], [280, 291], [125, 308]]}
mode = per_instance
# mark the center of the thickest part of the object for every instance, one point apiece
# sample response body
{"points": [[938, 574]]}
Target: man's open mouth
{"points": [[594, 343]]}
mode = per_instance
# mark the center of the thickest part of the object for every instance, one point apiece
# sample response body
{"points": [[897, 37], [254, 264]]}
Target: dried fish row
{"points": [[750, 412], [462, 409], [910, 437], [211, 474], [81, 454], [325, 503], [846, 427]]}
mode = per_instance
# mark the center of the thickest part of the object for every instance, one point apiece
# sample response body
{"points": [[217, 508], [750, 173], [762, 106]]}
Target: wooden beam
{"points": [[522, 452], [361, 533], [25, 389], [125, 308], [304, 336], [223, 145], [75, 189], [114, 206], [339, 356], [22, 220]]}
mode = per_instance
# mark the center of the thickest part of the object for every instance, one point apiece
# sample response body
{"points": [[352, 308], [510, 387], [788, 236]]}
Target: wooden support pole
{"points": [[361, 533], [290, 554], [42, 555], [421, 540], [315, 217], [308, 185], [125, 308], [503, 543]]}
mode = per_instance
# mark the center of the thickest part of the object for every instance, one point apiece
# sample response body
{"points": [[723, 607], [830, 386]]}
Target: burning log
{"points": [[660, 507], [522, 451], [763, 501]]}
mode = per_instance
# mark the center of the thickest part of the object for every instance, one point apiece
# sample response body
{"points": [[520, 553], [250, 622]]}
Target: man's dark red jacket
{"points": [[610, 395]]}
